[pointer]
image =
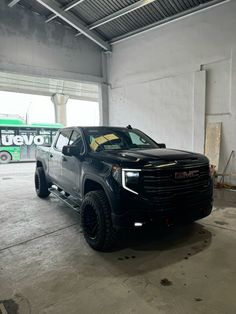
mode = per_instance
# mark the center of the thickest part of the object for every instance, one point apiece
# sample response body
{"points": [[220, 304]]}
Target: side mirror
{"points": [[162, 145], [70, 150]]}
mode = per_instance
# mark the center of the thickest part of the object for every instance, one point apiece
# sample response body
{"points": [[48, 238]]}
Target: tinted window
{"points": [[63, 140], [76, 140], [117, 139], [138, 140]]}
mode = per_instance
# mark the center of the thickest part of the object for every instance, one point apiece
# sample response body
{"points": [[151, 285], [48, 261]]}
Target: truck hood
{"points": [[151, 156]]}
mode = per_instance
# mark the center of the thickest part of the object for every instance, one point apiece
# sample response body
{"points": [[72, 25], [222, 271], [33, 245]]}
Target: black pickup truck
{"points": [[121, 178]]}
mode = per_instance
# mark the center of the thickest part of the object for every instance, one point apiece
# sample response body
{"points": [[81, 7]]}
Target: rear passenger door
{"points": [[56, 157], [71, 166]]}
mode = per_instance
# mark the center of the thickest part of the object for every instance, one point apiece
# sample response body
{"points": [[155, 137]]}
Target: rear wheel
{"points": [[41, 185], [96, 221], [5, 157]]}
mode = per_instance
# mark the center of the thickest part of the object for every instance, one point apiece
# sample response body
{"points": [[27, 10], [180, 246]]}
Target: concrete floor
{"points": [[46, 266]]}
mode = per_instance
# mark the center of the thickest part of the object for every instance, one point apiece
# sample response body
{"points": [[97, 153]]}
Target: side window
{"points": [[62, 140], [76, 140], [137, 140]]}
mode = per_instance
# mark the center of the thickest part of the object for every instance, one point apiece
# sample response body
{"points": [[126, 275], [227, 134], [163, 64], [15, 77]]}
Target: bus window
{"points": [[28, 148], [20, 140], [54, 133], [47, 136]]}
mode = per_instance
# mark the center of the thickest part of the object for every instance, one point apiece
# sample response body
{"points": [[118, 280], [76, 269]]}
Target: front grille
{"points": [[161, 185]]}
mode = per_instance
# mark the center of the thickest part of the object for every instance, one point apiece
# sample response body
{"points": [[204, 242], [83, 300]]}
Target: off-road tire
{"points": [[41, 185], [5, 157], [96, 207]]}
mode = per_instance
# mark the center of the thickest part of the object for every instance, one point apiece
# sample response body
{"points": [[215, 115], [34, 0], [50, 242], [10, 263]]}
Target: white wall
{"points": [[163, 108], [170, 80], [30, 46]]}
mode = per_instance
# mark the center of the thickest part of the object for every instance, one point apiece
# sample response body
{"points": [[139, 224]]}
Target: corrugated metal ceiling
{"points": [[90, 11], [146, 15]]}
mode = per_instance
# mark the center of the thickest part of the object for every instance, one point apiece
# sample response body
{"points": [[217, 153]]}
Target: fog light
{"points": [[138, 224]]}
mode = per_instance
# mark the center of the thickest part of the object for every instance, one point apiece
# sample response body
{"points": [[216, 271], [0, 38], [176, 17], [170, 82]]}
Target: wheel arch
{"points": [[92, 184], [40, 163]]}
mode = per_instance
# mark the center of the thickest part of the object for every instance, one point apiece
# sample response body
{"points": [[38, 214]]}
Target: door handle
{"points": [[64, 159], [51, 155]]}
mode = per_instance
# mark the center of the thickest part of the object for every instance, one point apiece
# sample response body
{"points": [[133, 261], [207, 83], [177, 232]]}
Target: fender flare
{"points": [[102, 184]]}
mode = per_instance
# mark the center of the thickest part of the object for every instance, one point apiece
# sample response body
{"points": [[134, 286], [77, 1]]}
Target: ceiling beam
{"points": [[176, 17], [68, 7], [12, 3], [117, 14], [74, 22]]}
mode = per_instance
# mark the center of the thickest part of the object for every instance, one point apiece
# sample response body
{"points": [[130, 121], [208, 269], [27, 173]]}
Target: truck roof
{"points": [[96, 127]]}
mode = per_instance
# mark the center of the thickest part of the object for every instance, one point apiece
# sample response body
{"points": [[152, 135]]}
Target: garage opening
{"points": [[32, 109], [40, 109], [82, 113], [49, 100]]}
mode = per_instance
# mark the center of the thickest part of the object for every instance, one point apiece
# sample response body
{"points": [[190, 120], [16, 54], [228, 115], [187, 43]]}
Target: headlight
{"points": [[130, 180], [132, 174]]}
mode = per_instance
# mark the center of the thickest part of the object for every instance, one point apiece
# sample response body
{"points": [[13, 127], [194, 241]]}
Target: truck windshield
{"points": [[100, 139]]}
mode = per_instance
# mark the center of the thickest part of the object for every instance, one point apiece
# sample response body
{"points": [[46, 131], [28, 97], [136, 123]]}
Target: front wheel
{"points": [[41, 185], [96, 221], [5, 157]]}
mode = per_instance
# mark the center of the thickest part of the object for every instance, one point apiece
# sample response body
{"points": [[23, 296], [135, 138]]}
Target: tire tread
{"points": [[110, 235], [42, 191]]}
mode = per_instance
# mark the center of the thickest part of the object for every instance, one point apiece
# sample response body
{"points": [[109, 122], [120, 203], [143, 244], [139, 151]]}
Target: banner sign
{"points": [[18, 140]]}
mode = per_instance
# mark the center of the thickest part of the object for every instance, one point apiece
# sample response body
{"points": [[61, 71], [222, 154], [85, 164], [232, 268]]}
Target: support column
{"points": [[103, 104], [199, 104], [60, 101], [103, 94]]}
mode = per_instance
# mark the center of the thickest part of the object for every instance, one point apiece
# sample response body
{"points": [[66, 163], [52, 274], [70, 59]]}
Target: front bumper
{"points": [[174, 210], [169, 217]]}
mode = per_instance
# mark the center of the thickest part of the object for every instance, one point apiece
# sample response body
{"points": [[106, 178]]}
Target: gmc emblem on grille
{"points": [[187, 174]]}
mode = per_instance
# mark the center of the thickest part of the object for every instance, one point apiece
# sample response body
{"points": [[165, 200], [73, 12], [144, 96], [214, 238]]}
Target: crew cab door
{"points": [[55, 157], [71, 166]]}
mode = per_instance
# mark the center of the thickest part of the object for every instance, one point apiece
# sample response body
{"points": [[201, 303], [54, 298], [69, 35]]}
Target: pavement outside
{"points": [[46, 266]]}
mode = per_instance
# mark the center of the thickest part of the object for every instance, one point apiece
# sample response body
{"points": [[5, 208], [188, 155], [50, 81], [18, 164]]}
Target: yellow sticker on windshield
{"points": [[102, 139], [94, 145], [111, 137]]}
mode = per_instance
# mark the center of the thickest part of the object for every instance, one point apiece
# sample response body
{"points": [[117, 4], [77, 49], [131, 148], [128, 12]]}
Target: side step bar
{"points": [[71, 202]]}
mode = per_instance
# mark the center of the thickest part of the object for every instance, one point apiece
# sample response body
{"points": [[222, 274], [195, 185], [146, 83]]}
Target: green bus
{"points": [[18, 140]]}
